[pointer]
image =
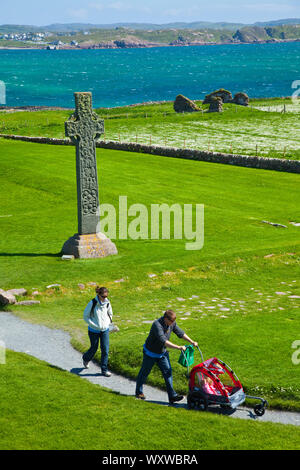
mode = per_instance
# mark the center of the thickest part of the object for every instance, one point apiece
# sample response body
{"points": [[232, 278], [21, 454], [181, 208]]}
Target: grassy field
{"points": [[260, 129], [236, 296], [55, 410]]}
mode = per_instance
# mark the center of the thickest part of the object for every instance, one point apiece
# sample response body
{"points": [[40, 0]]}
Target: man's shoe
{"points": [[141, 396], [85, 364], [106, 374], [175, 399]]}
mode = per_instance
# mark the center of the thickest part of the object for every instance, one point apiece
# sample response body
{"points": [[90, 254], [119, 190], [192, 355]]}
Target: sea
{"points": [[121, 77]]}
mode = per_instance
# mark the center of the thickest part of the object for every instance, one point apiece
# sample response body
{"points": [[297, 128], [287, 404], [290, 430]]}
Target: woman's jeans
{"points": [[103, 337], [165, 367]]}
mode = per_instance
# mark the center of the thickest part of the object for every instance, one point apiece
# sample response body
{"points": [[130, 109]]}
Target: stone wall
{"points": [[39, 140], [276, 164]]}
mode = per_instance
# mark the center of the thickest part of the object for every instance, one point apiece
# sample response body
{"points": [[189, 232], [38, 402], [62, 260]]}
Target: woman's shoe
{"points": [[106, 374]]}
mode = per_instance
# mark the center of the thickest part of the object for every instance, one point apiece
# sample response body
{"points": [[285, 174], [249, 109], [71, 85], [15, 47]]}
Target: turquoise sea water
{"points": [[121, 77]]}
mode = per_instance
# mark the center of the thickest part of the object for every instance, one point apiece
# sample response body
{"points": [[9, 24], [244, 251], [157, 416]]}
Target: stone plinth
{"points": [[89, 246]]}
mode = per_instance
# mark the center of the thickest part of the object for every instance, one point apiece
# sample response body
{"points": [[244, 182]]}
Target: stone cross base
{"points": [[89, 246]]}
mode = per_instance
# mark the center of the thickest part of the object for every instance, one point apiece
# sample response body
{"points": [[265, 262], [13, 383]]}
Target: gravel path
{"points": [[53, 346]]}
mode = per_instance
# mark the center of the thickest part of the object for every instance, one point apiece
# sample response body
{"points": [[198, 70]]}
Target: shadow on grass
{"points": [[213, 409], [78, 370], [5, 309], [52, 255]]}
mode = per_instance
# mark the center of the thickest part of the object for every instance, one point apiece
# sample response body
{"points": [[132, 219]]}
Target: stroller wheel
{"points": [[225, 406], [191, 404], [259, 410], [202, 404]]}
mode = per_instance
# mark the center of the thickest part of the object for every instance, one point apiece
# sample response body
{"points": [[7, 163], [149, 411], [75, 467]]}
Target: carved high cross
{"points": [[84, 128]]}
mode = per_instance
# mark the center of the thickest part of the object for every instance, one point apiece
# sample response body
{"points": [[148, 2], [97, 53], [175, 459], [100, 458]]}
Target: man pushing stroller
{"points": [[154, 351]]}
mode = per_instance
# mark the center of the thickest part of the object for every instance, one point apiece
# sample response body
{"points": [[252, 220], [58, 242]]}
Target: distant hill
{"points": [[289, 21], [16, 28], [251, 34], [127, 35], [268, 33], [76, 27], [196, 25]]}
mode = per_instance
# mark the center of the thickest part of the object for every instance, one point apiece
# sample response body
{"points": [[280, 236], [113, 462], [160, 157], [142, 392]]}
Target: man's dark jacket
{"points": [[159, 334]]}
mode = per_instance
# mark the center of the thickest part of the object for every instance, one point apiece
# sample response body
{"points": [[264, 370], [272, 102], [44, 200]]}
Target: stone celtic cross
{"points": [[84, 128]]}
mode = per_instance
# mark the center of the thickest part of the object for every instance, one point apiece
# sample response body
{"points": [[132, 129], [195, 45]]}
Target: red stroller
{"points": [[214, 382]]}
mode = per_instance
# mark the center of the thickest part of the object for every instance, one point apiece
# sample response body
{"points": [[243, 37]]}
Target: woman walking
{"points": [[98, 315]]}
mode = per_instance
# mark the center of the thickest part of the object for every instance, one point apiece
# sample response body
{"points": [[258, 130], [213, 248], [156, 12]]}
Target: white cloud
{"points": [[192, 12], [118, 6], [79, 14], [273, 7], [97, 6]]}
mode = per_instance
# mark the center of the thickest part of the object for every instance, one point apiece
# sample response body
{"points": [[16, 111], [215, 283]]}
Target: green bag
{"points": [[186, 357]]}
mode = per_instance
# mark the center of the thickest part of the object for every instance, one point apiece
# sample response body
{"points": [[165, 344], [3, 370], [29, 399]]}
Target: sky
{"points": [[35, 12]]}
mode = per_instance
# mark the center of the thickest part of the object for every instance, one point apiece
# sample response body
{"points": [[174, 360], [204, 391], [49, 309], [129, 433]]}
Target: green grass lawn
{"points": [[44, 408], [260, 129], [235, 296]]}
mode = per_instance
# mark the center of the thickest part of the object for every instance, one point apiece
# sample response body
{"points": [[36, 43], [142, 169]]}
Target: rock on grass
{"points": [[20, 291], [182, 104], [6, 298]]}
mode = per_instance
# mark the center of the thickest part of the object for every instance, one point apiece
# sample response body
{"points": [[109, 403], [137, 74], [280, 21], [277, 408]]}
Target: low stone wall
{"points": [[276, 164], [39, 140]]}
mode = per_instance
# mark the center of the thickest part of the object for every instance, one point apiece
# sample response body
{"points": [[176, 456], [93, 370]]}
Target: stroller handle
{"points": [[200, 353]]}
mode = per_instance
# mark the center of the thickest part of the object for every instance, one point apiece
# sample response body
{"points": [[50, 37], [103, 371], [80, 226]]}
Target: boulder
{"points": [[21, 291], [182, 104], [241, 98], [28, 302], [216, 105], [225, 96], [6, 298]]}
